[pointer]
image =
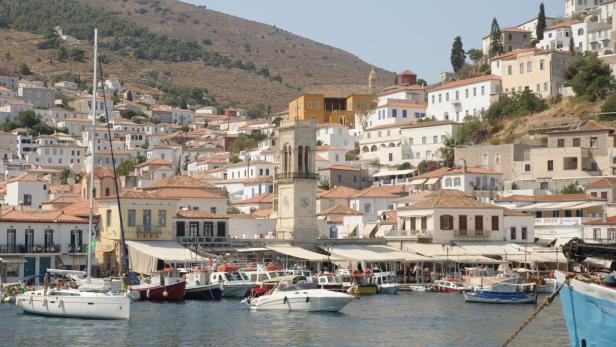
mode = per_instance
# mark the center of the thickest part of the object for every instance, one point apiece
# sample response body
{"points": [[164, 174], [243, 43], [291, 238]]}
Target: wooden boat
{"points": [[166, 285], [450, 285], [362, 284], [386, 282], [492, 297], [200, 287]]}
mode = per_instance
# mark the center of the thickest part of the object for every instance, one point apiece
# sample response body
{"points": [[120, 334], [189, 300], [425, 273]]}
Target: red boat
{"points": [[450, 285], [164, 285]]}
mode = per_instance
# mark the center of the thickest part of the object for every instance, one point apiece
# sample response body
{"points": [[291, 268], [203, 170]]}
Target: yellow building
{"points": [[328, 109], [145, 218]]}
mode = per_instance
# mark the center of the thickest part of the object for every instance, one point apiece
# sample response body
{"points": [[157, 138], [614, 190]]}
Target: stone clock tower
{"points": [[295, 182]]}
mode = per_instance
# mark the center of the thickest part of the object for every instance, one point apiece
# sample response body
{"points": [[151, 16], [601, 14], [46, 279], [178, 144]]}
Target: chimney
{"points": [[464, 165]]}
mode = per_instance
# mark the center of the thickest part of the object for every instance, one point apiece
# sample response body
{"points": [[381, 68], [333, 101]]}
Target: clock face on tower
{"points": [[305, 202]]}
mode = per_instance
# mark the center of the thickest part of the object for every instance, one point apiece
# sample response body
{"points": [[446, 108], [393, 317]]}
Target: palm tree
{"points": [[447, 151]]}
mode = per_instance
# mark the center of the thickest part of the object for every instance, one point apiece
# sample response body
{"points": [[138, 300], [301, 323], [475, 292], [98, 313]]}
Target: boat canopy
{"points": [[12, 259], [300, 253], [144, 255]]}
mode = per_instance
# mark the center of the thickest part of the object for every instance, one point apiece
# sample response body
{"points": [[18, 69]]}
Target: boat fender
{"points": [[307, 299], [60, 303], [165, 294], [147, 294], [44, 301], [30, 299], [285, 300]]}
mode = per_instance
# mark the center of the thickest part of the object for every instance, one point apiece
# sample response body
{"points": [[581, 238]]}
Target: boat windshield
{"points": [[234, 276], [288, 286]]}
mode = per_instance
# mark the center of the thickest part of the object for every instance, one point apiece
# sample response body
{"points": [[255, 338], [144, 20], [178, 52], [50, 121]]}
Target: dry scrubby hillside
{"points": [[298, 61]]}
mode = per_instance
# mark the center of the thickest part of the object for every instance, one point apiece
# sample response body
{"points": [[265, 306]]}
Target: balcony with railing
{"points": [[29, 248], [556, 221], [147, 229], [297, 175], [471, 235], [203, 240]]}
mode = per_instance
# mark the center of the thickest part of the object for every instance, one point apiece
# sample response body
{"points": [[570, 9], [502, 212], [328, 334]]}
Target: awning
{"points": [[434, 250], [12, 259], [590, 204], [300, 253], [144, 255], [384, 229], [566, 204], [77, 260], [369, 253], [393, 173], [536, 206], [251, 249], [433, 180], [368, 228], [419, 181]]}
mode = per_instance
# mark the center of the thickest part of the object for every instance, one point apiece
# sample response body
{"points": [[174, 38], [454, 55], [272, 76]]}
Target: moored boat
{"points": [[294, 293], [450, 285], [330, 282], [232, 283], [166, 285], [199, 286], [386, 282]]}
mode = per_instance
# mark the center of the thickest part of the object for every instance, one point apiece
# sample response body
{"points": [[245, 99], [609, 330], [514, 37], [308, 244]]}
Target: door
{"points": [[44, 264], [29, 266]]}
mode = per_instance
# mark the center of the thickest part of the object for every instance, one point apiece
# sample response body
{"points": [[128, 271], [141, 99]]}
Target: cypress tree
{"points": [[496, 40], [541, 24], [458, 57]]}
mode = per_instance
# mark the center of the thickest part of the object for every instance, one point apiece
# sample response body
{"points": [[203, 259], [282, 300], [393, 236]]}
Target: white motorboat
{"points": [[233, 284], [75, 303], [386, 282], [295, 294]]}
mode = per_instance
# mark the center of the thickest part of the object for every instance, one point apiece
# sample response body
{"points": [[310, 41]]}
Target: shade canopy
{"points": [[369, 253], [144, 255], [300, 253]]}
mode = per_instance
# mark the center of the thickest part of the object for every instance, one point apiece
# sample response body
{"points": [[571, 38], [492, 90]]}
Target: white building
{"points": [[336, 135], [250, 169], [58, 155], [27, 191], [396, 111], [573, 7], [460, 99], [36, 93]]}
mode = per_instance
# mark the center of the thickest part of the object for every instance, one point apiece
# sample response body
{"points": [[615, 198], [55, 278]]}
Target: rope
{"points": [[545, 304]]}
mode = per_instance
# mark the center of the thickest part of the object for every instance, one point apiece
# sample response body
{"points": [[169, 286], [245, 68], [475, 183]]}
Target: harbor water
{"points": [[406, 319]]}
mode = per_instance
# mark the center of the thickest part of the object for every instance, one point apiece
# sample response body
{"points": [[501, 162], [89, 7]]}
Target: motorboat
{"points": [[361, 285], [260, 280], [233, 284], [65, 299], [166, 285], [386, 282], [294, 293], [330, 282], [493, 297], [200, 287], [450, 285]]}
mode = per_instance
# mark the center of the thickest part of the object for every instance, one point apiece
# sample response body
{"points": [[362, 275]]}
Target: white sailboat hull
{"points": [[317, 300], [89, 305]]}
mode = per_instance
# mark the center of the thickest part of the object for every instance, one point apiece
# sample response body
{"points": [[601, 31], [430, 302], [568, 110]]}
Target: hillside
{"points": [[239, 62]]}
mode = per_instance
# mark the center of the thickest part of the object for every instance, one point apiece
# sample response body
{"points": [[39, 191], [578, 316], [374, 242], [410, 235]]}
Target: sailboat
{"points": [[98, 299]]}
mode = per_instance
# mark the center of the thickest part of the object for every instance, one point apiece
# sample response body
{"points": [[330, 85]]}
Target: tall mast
{"points": [[92, 152]]}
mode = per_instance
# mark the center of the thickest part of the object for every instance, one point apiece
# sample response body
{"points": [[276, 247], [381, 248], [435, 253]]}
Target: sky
{"points": [[391, 34]]}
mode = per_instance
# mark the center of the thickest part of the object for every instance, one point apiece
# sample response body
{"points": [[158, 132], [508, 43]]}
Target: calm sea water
{"points": [[406, 319]]}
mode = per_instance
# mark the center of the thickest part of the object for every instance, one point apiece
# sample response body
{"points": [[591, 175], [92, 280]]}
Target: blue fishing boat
{"points": [[589, 310], [493, 297]]}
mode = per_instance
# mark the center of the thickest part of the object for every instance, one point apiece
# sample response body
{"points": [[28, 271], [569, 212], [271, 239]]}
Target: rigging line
{"points": [[123, 253]]}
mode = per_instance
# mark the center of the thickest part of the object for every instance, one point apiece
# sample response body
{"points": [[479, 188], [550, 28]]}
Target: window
{"points": [[76, 239], [147, 220], [448, 182], [367, 208], [550, 165], [435, 139], [544, 185], [317, 105], [391, 157], [604, 195], [433, 99], [478, 225], [524, 233], [576, 142], [413, 223], [48, 238], [131, 217], [221, 229], [11, 239], [446, 222], [495, 224], [529, 66], [162, 218], [424, 223], [447, 96], [594, 142], [513, 233], [27, 201], [561, 143], [394, 113], [410, 140], [483, 90], [521, 68], [541, 64], [497, 158], [339, 177], [424, 140], [108, 218], [309, 104], [466, 93], [474, 91], [457, 95], [193, 229], [596, 233], [457, 181], [404, 114], [462, 224]]}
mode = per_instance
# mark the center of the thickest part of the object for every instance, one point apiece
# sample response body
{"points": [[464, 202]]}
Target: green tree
{"points": [[242, 143], [572, 189], [447, 151], [609, 108], [27, 119], [589, 77], [61, 54], [458, 57], [404, 166], [541, 24], [421, 82], [324, 185], [234, 159], [129, 95], [64, 175], [78, 54], [516, 105], [475, 55], [276, 121], [125, 167], [24, 69], [185, 128], [427, 166], [496, 40], [352, 155]]}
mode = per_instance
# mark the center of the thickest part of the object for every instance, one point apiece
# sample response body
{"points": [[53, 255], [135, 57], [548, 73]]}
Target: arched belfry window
{"points": [[285, 158], [300, 162], [306, 160]]}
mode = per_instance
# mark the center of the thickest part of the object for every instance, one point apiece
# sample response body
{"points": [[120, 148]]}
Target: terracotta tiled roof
{"points": [[336, 213], [407, 72], [40, 217], [25, 178], [516, 52], [448, 198], [328, 148], [611, 220], [262, 198], [604, 182], [432, 174], [81, 208], [341, 168], [319, 157], [472, 170], [515, 30], [155, 161], [464, 82], [389, 218], [178, 182], [199, 215], [178, 193], [514, 213], [102, 172], [204, 176], [338, 192], [64, 199], [403, 104], [136, 195], [590, 126], [381, 192], [262, 213], [563, 24], [426, 124]]}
